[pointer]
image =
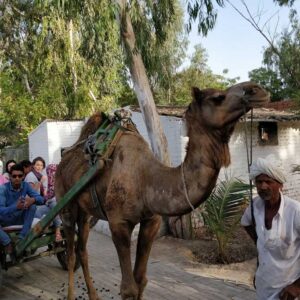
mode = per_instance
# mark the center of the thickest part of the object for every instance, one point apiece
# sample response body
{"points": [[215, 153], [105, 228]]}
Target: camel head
{"points": [[217, 109]]}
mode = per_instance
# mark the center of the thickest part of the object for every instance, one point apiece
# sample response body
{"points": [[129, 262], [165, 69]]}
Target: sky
{"points": [[234, 44]]}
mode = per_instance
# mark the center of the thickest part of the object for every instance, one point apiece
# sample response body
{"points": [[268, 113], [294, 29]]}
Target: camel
{"points": [[136, 188]]}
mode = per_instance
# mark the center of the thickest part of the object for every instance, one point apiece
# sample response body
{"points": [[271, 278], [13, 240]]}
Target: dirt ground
{"points": [[200, 257], [173, 274], [240, 248]]}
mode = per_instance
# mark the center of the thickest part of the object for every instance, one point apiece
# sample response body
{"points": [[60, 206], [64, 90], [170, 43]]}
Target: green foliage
{"points": [[63, 59], [223, 210], [204, 13], [196, 74], [282, 62], [19, 113], [54, 67]]}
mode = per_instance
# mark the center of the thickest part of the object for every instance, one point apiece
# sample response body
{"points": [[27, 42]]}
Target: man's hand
{"points": [[20, 204], [28, 202], [290, 292]]}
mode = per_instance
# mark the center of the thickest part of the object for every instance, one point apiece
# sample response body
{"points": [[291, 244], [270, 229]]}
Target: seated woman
{"points": [[8, 166], [51, 201], [37, 177]]}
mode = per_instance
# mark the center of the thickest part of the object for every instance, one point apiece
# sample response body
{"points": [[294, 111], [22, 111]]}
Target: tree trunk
{"points": [[28, 88], [142, 89], [72, 106], [71, 55], [144, 95]]}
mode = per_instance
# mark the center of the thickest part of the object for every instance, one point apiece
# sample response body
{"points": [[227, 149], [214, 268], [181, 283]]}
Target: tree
{"points": [[196, 74], [285, 61], [281, 57], [46, 66]]}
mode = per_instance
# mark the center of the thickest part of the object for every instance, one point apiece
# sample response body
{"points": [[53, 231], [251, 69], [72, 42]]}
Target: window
{"points": [[267, 133]]}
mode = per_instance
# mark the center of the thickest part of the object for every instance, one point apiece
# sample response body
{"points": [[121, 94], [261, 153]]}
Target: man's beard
{"points": [[17, 186], [265, 195]]}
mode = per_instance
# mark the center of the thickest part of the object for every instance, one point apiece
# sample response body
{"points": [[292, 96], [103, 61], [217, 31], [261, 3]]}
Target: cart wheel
{"points": [[63, 256]]}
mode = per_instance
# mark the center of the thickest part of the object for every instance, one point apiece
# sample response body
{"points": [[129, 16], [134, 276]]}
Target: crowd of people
{"points": [[26, 193]]}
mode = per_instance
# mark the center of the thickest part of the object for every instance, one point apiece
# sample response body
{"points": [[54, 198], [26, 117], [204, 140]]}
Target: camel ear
{"points": [[197, 94]]}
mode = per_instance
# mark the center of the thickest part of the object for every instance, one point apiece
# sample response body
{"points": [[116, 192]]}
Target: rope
{"points": [[249, 152], [185, 189]]}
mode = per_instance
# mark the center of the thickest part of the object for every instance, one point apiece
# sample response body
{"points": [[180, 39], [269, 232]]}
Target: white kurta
{"points": [[278, 248]]}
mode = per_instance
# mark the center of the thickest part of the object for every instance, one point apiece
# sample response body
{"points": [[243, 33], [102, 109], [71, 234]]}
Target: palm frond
{"points": [[223, 209]]}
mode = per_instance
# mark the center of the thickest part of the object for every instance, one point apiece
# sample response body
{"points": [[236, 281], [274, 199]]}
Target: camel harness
{"points": [[101, 145], [98, 149]]}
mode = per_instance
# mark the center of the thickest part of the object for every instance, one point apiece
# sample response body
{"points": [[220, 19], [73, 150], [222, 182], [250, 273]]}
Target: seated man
{"points": [[17, 205]]}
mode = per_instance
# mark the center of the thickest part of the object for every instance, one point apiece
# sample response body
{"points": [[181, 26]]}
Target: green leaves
{"points": [[198, 74], [223, 209], [204, 12], [282, 63], [56, 62]]}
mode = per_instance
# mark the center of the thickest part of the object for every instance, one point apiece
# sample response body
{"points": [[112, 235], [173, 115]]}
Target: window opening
{"points": [[267, 133]]}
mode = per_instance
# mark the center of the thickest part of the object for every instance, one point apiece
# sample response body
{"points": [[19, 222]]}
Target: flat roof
{"points": [[259, 114]]}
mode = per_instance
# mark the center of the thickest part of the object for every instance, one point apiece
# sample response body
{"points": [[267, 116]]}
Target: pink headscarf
{"points": [[3, 179], [50, 170]]}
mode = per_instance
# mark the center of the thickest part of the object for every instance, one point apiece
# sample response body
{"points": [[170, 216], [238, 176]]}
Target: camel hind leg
{"points": [[121, 236], [69, 230], [148, 231], [83, 234]]}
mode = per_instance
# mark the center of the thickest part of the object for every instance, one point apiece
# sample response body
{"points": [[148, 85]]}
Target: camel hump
{"points": [[92, 125]]}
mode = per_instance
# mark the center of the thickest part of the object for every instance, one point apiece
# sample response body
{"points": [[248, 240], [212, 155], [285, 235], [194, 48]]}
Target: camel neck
{"points": [[200, 176]]}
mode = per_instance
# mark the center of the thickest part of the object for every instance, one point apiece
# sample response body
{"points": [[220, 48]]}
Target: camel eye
{"points": [[218, 99]]}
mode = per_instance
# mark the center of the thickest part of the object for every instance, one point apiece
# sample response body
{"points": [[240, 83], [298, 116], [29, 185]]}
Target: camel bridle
{"points": [[249, 153]]}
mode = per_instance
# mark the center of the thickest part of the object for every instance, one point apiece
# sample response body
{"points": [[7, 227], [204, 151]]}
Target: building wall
{"points": [[287, 151], [50, 136], [38, 142], [62, 135], [59, 135], [173, 130]]}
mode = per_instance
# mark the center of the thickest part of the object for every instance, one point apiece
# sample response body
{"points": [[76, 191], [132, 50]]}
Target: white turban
{"points": [[269, 166]]}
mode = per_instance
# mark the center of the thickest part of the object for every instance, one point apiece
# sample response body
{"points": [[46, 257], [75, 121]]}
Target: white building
{"points": [[273, 132], [50, 137]]}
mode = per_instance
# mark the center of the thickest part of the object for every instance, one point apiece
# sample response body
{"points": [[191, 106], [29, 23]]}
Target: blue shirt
{"points": [[9, 197]]}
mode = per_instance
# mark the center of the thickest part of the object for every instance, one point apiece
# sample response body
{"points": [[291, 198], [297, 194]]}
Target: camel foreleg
{"points": [[83, 234], [121, 235], [147, 233], [70, 233]]}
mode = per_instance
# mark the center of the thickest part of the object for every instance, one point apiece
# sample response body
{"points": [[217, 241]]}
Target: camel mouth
{"points": [[252, 94], [257, 100]]}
